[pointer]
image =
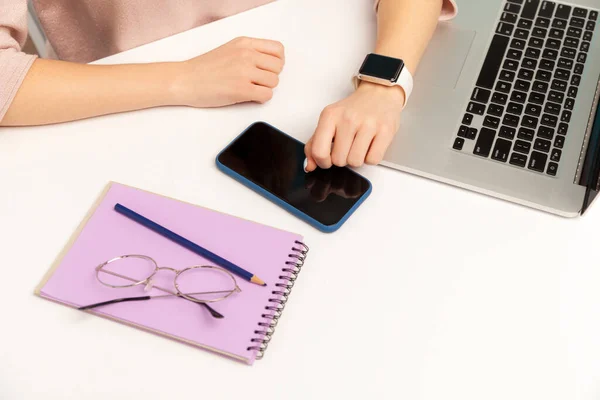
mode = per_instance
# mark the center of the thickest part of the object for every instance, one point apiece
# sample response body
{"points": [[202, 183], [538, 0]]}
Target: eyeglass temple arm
{"points": [[214, 313]]}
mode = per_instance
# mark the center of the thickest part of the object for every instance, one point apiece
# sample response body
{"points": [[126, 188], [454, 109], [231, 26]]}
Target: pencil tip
{"points": [[264, 284], [258, 281]]}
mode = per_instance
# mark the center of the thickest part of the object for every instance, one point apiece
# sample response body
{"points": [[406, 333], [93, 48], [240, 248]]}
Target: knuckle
{"points": [[355, 161], [266, 96], [350, 117], [374, 158], [243, 41], [339, 160]]}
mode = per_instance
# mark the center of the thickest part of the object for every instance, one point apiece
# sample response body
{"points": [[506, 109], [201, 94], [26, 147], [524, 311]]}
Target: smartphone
{"points": [[272, 163]]}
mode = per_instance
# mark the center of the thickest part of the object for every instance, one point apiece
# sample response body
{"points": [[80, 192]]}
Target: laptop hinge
{"points": [[588, 168]]}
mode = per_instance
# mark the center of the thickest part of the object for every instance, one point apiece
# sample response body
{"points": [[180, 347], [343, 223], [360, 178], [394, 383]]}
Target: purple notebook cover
{"points": [[257, 248]]}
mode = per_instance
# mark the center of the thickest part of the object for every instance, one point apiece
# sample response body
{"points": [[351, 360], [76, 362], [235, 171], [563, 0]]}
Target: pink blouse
{"points": [[87, 30]]}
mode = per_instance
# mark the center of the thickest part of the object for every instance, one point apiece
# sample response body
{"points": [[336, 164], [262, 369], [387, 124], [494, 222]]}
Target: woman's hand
{"points": [[357, 129], [244, 69]]}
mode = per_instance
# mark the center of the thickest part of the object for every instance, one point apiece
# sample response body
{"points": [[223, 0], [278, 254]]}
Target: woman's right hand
{"points": [[244, 69]]}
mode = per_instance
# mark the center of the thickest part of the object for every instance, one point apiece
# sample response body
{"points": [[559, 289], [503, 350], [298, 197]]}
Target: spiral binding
{"points": [[284, 288]]}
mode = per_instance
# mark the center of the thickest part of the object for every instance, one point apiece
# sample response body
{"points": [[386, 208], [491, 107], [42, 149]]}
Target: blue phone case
{"points": [[303, 216]]}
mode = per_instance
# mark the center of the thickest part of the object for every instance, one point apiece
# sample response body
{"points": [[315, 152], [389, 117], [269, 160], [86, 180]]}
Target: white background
{"points": [[428, 292]]}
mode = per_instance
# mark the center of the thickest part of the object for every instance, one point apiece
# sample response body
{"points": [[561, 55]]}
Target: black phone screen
{"points": [[274, 161]]}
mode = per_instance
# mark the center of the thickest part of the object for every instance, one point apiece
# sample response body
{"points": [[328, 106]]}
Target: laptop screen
{"points": [[591, 167]]}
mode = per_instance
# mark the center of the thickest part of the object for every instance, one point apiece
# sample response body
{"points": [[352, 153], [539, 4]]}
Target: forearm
{"points": [[405, 28], [57, 91]]}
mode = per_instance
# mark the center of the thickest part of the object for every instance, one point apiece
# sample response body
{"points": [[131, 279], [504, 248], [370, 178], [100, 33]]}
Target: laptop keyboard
{"points": [[520, 109]]}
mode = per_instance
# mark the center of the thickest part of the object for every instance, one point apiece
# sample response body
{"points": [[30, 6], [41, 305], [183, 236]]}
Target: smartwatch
{"points": [[385, 71]]}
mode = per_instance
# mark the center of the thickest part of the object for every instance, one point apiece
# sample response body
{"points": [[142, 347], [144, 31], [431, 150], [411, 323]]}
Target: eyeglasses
{"points": [[198, 284]]}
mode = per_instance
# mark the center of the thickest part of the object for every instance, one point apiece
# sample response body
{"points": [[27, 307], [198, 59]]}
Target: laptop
{"points": [[506, 104]]}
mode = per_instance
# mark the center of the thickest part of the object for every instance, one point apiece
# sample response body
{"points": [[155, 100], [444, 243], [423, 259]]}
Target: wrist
{"points": [[176, 88], [393, 94]]}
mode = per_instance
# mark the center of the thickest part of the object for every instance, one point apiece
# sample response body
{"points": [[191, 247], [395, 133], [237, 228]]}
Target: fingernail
{"points": [[305, 164]]}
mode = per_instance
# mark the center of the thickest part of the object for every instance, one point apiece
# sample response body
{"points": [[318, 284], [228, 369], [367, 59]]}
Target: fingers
{"points": [[265, 78], [259, 94], [344, 136], [321, 141], [269, 63], [379, 145], [266, 46], [360, 147]]}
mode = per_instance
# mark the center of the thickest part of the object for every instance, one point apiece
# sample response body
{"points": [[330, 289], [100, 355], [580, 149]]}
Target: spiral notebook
{"points": [[274, 255]]}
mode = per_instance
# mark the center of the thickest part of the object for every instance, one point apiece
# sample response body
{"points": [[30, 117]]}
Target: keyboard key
{"points": [[556, 97], [572, 92], [526, 134], [563, 11], [522, 147], [522, 85], [530, 122], [559, 23], [572, 42], [544, 76], [533, 110], [576, 80], [569, 104], [518, 97], [525, 74], [462, 131], [481, 95], [548, 65], [557, 33], [555, 155], [484, 142], [585, 46], [518, 44], [590, 26], [495, 109], [499, 98], [529, 63], [547, 9], [501, 150], [566, 116], [509, 17], [562, 74], [514, 108], [552, 108], [577, 22], [559, 142], [587, 36], [503, 87], [507, 75], [507, 132], [549, 120], [553, 44], [541, 87], [545, 132], [512, 8], [565, 63], [511, 120], [471, 133], [525, 23], [537, 161], [491, 122], [467, 119], [505, 28], [594, 15], [518, 159], [552, 169], [580, 12], [476, 108], [550, 54], [530, 9], [510, 65], [493, 60], [537, 98], [521, 34], [578, 69], [458, 143], [569, 53], [582, 57], [562, 129], [533, 53], [559, 85], [574, 32], [536, 42], [514, 54], [542, 22], [542, 145], [539, 32]]}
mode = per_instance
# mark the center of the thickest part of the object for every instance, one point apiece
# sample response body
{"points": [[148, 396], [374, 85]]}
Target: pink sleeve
{"points": [[449, 9], [14, 64]]}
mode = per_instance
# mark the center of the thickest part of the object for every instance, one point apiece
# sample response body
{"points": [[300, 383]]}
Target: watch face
{"points": [[382, 67]]}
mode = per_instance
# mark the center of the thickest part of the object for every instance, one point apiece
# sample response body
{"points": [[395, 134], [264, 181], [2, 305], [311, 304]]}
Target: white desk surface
{"points": [[428, 292]]}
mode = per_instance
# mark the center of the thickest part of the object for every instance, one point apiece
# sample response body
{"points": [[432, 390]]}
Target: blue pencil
{"points": [[161, 230]]}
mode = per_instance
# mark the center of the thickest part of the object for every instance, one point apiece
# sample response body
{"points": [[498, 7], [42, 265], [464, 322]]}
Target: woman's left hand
{"points": [[357, 129]]}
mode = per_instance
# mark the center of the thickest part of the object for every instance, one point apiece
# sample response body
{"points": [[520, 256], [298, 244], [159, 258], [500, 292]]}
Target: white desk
{"points": [[428, 292]]}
